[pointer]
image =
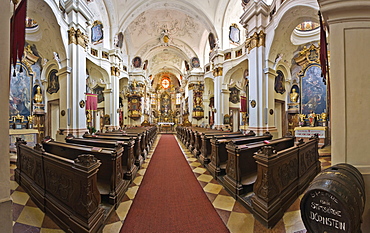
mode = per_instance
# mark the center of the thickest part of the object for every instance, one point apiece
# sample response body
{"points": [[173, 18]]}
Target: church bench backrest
{"points": [[137, 147], [128, 148], [52, 180], [245, 152], [219, 151], [111, 167]]}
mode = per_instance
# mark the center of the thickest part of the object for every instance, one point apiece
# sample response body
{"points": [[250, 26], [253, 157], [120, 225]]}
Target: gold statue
{"points": [[294, 95], [301, 117], [30, 119], [88, 116], [38, 95], [324, 116]]}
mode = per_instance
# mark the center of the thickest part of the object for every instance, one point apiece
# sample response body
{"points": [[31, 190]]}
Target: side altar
{"points": [[306, 132], [29, 135]]}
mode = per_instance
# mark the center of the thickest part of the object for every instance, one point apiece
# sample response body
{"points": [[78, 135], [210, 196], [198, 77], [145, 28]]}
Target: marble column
{"points": [[257, 89], [108, 106], [75, 83], [64, 118], [115, 100], [270, 102], [6, 222], [349, 24], [225, 94], [218, 98]]}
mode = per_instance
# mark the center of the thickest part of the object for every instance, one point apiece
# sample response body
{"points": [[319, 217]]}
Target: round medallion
{"points": [[165, 83], [253, 103], [82, 104]]}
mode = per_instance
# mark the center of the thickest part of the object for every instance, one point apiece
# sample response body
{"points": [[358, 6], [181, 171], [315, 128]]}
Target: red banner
{"points": [[18, 32], [243, 104], [91, 101], [323, 51]]}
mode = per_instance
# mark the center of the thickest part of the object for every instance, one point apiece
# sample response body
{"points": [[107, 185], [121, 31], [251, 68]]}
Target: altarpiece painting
{"points": [[313, 90], [20, 93]]}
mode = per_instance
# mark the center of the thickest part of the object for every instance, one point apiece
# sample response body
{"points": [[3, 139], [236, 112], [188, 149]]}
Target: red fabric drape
{"points": [[323, 50], [18, 32], [243, 104], [91, 101]]}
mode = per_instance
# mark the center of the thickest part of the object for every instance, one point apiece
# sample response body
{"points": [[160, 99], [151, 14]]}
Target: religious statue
{"points": [[38, 95], [30, 119], [198, 101], [312, 118], [88, 116], [324, 116], [301, 119], [294, 96]]}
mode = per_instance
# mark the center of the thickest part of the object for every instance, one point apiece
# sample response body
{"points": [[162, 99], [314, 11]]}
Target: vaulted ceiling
{"points": [[168, 32]]}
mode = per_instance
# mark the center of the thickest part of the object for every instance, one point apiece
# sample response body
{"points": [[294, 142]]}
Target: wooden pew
{"points": [[219, 156], [149, 134], [241, 168], [128, 161], [110, 175], [282, 177], [141, 138], [206, 147], [64, 189], [137, 146], [146, 135], [198, 141]]}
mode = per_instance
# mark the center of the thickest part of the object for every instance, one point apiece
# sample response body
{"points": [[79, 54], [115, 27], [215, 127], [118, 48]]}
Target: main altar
{"points": [[165, 127]]}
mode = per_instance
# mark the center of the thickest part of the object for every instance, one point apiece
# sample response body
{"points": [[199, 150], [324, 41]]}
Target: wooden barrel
{"points": [[334, 201]]}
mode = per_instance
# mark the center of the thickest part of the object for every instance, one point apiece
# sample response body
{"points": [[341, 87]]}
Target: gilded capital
{"points": [[261, 38], [256, 40], [82, 39], [72, 36], [114, 71], [220, 69], [217, 71], [77, 37]]}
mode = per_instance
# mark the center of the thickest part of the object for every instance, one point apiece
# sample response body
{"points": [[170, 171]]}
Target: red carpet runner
{"points": [[170, 199]]}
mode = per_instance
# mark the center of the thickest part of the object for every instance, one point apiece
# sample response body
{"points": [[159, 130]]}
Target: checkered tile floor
{"points": [[28, 218]]}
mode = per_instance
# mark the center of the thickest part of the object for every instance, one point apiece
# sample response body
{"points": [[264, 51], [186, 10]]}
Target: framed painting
{"points": [[313, 91], [53, 82], [279, 86], [119, 41], [20, 95], [234, 95], [99, 90], [195, 62], [211, 40], [234, 33], [136, 62], [97, 32]]}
